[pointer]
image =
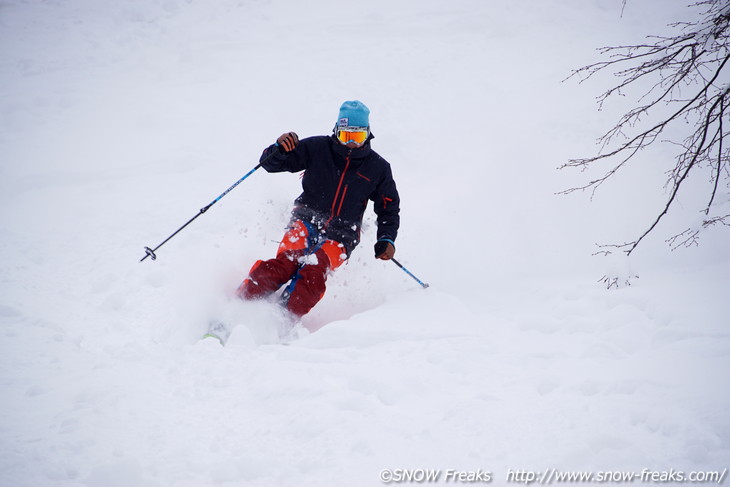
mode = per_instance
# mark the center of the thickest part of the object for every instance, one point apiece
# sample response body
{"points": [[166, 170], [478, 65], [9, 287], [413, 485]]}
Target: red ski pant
{"points": [[305, 258]]}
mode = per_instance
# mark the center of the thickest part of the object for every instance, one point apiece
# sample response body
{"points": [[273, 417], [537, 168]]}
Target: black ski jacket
{"points": [[337, 183]]}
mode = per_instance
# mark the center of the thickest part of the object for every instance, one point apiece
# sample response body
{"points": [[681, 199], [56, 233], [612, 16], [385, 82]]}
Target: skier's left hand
{"points": [[384, 250]]}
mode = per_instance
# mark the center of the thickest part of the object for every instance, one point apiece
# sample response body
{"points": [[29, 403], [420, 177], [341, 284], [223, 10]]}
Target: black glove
{"points": [[384, 249]]}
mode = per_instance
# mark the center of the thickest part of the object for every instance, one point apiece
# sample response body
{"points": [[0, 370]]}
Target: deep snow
{"points": [[121, 119]]}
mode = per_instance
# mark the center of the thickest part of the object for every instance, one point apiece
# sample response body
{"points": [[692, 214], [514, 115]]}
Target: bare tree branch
{"points": [[694, 60], [719, 158], [679, 182], [691, 236]]}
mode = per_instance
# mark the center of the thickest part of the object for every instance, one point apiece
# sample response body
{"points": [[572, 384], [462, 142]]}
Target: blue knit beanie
{"points": [[353, 114]]}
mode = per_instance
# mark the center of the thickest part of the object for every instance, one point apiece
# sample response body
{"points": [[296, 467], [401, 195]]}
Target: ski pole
{"points": [[423, 284], [151, 252]]}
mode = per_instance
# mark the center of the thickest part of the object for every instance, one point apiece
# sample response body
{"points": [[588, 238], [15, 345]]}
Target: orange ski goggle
{"points": [[357, 135]]}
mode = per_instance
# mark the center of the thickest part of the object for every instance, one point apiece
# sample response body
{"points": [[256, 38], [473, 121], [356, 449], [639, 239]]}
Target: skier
{"points": [[341, 173]]}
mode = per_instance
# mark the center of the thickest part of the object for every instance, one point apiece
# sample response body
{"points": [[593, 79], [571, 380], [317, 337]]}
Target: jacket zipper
{"points": [[337, 193], [342, 200]]}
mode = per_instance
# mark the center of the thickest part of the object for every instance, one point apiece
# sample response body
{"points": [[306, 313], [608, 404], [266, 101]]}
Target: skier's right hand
{"points": [[287, 142]]}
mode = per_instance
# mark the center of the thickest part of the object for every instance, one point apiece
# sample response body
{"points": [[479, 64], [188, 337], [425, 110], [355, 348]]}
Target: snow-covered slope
{"points": [[120, 120]]}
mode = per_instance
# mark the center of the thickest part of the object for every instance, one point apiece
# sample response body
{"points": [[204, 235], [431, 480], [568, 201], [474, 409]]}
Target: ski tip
{"points": [[210, 335]]}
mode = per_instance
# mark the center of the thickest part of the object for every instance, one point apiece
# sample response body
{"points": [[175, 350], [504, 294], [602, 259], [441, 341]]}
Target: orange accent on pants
{"points": [[295, 238], [335, 252], [294, 262]]}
